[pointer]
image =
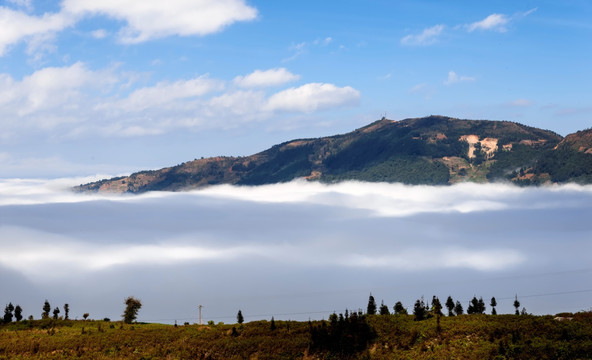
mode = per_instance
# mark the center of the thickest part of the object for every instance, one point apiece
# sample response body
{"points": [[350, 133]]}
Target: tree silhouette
{"points": [[132, 306], [56, 311], [436, 306], [384, 310], [480, 306], [419, 310], [18, 313], [66, 311], [517, 305], [493, 304], [85, 316], [46, 310], [458, 308], [8, 313], [239, 317], [399, 309], [272, 326], [450, 306], [371, 310]]}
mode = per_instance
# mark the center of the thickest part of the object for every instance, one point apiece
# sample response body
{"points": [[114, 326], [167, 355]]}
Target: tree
{"points": [[239, 317], [18, 313], [8, 313], [272, 326], [437, 309], [384, 310], [493, 304], [85, 316], [66, 311], [450, 306], [56, 311], [400, 309], [371, 310], [480, 306], [419, 310], [472, 305], [436, 306], [517, 305], [132, 306], [46, 310], [458, 308]]}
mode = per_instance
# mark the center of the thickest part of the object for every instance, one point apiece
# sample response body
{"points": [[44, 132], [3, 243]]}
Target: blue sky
{"points": [[111, 87]]}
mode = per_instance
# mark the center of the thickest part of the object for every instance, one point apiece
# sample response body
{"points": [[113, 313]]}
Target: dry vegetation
{"points": [[395, 336]]}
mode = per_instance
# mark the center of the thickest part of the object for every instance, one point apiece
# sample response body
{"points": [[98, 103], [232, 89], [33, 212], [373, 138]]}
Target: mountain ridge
{"points": [[432, 150]]}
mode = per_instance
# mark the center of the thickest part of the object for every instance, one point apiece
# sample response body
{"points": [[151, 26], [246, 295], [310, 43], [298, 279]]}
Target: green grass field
{"points": [[393, 337]]}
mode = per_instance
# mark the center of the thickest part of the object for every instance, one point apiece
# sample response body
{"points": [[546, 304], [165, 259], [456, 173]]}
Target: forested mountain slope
{"points": [[434, 150]]}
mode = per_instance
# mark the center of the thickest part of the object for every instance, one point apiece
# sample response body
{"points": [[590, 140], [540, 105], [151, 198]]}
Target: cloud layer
{"points": [[145, 19], [311, 246], [75, 101]]}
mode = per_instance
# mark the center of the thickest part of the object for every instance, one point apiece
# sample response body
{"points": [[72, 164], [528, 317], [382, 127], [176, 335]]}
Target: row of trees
{"points": [[423, 310], [132, 306], [56, 311]]}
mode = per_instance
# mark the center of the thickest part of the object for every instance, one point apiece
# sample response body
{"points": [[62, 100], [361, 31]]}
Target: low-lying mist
{"points": [[297, 250]]}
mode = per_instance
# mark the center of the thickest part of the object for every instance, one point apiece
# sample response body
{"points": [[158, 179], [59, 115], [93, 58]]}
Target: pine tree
{"points": [[493, 304], [517, 305], [473, 306], [419, 310], [272, 326], [56, 311], [371, 310], [239, 317], [450, 306], [399, 309], [132, 306], [458, 308], [481, 306], [8, 313], [46, 310], [18, 313], [384, 310], [436, 306], [66, 311]]}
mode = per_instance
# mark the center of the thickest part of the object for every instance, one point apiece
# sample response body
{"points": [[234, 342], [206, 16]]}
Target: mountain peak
{"points": [[434, 150]]}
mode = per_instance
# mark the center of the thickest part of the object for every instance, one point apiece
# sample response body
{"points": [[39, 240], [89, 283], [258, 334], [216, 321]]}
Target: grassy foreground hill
{"points": [[390, 337], [434, 150]]}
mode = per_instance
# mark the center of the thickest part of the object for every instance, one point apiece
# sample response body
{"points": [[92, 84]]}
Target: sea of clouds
{"points": [[296, 250]]}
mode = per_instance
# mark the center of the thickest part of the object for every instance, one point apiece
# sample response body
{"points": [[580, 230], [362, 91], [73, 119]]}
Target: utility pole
{"points": [[199, 307]]}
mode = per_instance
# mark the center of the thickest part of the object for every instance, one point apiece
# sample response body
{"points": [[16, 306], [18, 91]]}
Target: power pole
{"points": [[199, 307]]}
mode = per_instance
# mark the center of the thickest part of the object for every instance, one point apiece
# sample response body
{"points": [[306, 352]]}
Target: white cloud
{"points": [[447, 258], [26, 4], [74, 101], [521, 102], [426, 37], [149, 19], [323, 42], [17, 26], [99, 33], [54, 88], [264, 78], [165, 94], [311, 97], [454, 78], [494, 22]]}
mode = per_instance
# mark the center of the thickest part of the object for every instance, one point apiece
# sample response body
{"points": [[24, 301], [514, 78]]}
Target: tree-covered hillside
{"points": [[434, 150]]}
